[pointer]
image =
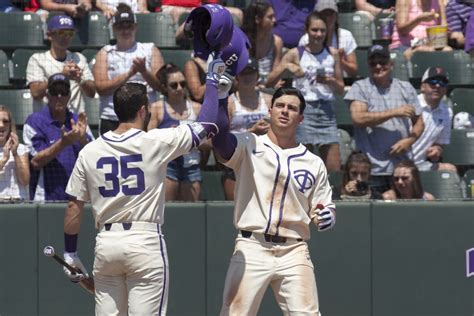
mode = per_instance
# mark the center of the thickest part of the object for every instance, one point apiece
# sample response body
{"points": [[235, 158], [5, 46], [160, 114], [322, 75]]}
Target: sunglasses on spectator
{"points": [[65, 33], [58, 92], [381, 62], [174, 85], [404, 178], [441, 82]]}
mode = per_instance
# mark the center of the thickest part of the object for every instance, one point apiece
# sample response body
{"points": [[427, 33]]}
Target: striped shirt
{"points": [[457, 14]]}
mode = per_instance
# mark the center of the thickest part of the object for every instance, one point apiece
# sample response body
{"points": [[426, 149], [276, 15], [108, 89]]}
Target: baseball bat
{"points": [[87, 283]]}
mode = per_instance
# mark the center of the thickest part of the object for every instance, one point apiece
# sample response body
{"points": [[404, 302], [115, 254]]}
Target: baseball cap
{"points": [[252, 64], [58, 78], [60, 22], [326, 5], [378, 50], [121, 17], [435, 72]]}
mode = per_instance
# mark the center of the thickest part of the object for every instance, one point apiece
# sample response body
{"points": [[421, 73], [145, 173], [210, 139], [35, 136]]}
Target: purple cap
{"points": [[60, 22], [58, 78]]}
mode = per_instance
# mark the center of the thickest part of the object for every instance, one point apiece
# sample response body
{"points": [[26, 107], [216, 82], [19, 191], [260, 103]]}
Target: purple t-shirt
{"points": [[40, 132], [469, 39], [290, 16]]}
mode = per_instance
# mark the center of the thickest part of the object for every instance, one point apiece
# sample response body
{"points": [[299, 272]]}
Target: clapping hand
{"points": [[140, 64], [72, 136]]}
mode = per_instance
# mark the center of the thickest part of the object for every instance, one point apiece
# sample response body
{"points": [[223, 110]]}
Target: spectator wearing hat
{"points": [[387, 117], [126, 61], [437, 116], [318, 75], [7, 6], [338, 38], [248, 112], [54, 136], [59, 59]]}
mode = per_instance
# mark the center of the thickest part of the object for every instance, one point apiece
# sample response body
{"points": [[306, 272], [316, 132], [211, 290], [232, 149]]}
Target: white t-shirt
{"points": [[346, 41], [277, 188], [437, 129], [123, 175], [42, 65], [9, 186]]}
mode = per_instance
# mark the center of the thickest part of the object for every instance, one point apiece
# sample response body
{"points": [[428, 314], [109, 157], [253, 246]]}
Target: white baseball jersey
{"points": [[123, 175], [277, 188]]}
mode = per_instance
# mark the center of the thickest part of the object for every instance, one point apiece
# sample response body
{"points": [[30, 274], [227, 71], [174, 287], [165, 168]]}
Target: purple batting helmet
{"points": [[211, 26], [236, 54]]}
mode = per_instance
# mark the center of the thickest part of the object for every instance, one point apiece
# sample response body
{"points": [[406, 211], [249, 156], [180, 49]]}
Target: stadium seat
{"points": [[343, 114], [401, 67], [335, 180], [362, 65], [4, 70], [93, 111], [176, 56], [241, 4], [211, 186], [463, 100], [460, 150], [457, 64], [20, 58], [19, 102], [469, 181], [360, 26], [21, 30], [90, 53], [157, 28], [345, 145], [92, 32], [444, 185]]}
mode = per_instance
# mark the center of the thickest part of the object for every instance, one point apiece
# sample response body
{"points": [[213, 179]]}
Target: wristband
{"points": [[70, 242]]}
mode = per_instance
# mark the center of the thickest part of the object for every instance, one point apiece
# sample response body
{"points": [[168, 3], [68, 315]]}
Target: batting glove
{"points": [[225, 84], [215, 68], [326, 219], [73, 260]]}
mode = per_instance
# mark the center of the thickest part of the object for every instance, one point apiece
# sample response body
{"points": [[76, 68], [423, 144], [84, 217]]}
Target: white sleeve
{"points": [[239, 153], [322, 193], [304, 40], [86, 71], [34, 72], [77, 184], [169, 143], [347, 41]]}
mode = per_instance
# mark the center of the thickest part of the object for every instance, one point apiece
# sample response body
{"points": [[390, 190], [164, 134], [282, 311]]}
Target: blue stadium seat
{"points": [[21, 30], [176, 56], [463, 100], [360, 26], [157, 28], [19, 102], [4, 70], [444, 185], [93, 32], [460, 150], [20, 58]]}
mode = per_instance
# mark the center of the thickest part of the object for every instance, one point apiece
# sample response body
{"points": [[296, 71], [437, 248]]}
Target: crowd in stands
{"points": [[397, 132]]}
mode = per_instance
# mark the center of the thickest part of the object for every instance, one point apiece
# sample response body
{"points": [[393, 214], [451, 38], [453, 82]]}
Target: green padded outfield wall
{"points": [[382, 259]]}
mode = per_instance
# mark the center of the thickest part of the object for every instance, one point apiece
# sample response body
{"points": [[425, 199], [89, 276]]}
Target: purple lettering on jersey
{"points": [[277, 174], [285, 188], [304, 178], [470, 262]]}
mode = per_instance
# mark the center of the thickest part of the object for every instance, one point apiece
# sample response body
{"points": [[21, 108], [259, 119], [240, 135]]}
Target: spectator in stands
{"points": [[469, 41], [387, 117], [74, 8], [183, 176], [54, 135], [290, 19], [195, 74], [356, 179], [59, 59], [7, 6], [457, 15], [375, 8], [339, 38], [437, 117], [109, 7], [259, 19], [126, 61], [14, 164], [412, 20], [248, 112], [318, 76], [406, 183]]}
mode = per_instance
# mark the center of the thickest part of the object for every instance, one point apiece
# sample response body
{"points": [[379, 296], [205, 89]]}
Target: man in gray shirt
{"points": [[386, 116]]}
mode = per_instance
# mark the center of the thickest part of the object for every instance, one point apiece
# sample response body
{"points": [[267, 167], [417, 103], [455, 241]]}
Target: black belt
{"points": [[268, 237], [126, 226]]}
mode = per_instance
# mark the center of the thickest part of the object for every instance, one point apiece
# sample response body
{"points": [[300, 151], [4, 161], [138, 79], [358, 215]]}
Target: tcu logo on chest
{"points": [[304, 178]]}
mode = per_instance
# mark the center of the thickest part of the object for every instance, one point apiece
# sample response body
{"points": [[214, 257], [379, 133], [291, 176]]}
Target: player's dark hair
{"points": [[416, 184], [128, 99], [254, 10], [290, 91]]}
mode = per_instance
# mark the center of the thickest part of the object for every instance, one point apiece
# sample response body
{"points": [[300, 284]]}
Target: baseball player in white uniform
{"points": [[122, 173], [281, 188]]}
